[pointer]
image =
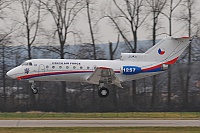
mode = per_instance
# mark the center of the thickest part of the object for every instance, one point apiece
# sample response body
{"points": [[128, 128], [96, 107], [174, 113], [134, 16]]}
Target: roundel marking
{"points": [[161, 51]]}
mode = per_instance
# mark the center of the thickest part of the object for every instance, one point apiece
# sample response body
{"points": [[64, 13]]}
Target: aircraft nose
{"points": [[11, 73]]}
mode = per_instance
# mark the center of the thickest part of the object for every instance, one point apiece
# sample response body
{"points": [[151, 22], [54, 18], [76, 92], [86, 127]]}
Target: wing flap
{"points": [[104, 75]]}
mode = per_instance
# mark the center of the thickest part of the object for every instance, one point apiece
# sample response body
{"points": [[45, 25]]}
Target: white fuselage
{"points": [[77, 70]]}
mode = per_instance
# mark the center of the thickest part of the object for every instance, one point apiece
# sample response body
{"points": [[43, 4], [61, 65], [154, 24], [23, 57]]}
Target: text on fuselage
{"points": [[66, 63]]}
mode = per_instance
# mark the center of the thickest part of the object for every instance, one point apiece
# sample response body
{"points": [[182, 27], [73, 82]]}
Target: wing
{"points": [[104, 75]]}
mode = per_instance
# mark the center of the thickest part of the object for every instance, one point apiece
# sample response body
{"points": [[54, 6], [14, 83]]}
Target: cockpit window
{"points": [[27, 64]]}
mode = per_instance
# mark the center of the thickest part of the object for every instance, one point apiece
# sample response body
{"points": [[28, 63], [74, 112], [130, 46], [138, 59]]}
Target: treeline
{"points": [[50, 26]]}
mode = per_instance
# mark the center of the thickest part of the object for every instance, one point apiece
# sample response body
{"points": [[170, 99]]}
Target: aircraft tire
{"points": [[35, 91], [103, 92]]}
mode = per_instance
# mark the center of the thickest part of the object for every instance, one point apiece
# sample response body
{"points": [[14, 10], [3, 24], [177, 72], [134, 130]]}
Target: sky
{"points": [[144, 33], [106, 31]]}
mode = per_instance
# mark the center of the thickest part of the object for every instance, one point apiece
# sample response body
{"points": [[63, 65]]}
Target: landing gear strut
{"points": [[33, 88], [103, 92]]}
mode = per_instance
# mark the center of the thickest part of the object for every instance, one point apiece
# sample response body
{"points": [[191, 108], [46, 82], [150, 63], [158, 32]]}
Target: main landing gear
{"points": [[103, 92], [33, 87]]}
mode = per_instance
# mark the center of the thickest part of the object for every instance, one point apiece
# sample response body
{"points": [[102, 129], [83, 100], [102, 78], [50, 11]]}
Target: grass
{"points": [[103, 130], [128, 115]]}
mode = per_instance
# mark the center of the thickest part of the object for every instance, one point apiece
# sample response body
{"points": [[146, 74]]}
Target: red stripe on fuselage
{"points": [[160, 65], [50, 74], [151, 68], [171, 61], [55, 73]]}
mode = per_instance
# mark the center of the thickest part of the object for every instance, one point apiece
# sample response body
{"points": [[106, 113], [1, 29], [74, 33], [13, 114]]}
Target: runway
{"points": [[99, 123]]}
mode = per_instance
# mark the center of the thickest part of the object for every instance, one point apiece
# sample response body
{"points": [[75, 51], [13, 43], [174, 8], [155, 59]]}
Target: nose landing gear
{"points": [[33, 87]]}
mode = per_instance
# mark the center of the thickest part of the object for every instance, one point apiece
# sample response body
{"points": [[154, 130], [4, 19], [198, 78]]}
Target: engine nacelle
{"points": [[129, 70]]}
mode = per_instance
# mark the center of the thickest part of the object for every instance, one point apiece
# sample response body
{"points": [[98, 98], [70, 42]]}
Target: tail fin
{"points": [[168, 50]]}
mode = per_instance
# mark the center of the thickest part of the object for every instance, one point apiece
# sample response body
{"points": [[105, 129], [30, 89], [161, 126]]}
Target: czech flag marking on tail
{"points": [[161, 51]]}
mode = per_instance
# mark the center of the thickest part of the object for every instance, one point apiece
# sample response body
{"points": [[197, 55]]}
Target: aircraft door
{"points": [[41, 68]]}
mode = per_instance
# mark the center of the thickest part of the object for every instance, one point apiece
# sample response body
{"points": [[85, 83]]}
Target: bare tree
{"points": [[188, 18], [156, 7], [88, 2], [169, 16], [4, 41], [112, 52], [64, 13], [3, 5], [131, 14], [172, 6], [32, 15]]}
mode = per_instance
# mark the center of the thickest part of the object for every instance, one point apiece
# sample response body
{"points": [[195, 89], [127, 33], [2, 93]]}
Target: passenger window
{"points": [[53, 67], [30, 64], [47, 66], [88, 67], [81, 67], [60, 67], [67, 67], [74, 67]]}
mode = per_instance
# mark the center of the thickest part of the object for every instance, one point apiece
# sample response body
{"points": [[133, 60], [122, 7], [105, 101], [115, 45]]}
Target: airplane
{"points": [[130, 66]]}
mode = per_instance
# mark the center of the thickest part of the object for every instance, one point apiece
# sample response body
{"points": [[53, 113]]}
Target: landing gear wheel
{"points": [[34, 89], [103, 92]]}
